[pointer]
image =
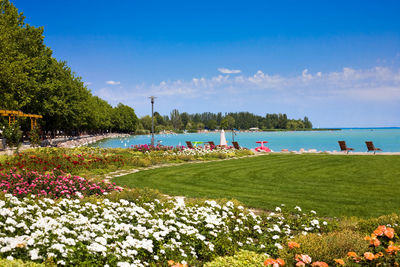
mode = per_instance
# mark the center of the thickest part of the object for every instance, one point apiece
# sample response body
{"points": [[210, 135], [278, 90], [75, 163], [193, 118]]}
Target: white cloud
{"points": [[87, 83], [228, 71], [113, 82], [306, 76], [368, 87], [382, 84]]}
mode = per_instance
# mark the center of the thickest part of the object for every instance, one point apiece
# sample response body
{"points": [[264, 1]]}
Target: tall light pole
{"points": [[152, 119]]}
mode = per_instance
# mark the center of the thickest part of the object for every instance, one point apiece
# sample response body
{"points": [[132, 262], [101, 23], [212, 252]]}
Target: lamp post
{"points": [[152, 119]]}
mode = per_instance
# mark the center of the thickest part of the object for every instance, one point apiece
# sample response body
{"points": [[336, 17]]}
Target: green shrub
{"points": [[34, 137], [13, 135], [243, 258], [142, 131], [19, 263], [327, 247], [367, 226]]}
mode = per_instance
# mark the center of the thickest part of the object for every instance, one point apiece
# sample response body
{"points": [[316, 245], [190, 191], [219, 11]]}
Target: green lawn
{"points": [[332, 185]]}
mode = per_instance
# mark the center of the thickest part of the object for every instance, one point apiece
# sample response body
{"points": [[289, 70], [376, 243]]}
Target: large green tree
{"points": [[124, 118], [32, 81]]}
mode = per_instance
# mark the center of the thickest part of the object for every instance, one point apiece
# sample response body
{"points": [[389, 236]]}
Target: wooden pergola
{"points": [[11, 114]]}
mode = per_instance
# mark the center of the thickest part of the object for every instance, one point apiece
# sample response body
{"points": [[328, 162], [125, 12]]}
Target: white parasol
{"points": [[222, 139]]}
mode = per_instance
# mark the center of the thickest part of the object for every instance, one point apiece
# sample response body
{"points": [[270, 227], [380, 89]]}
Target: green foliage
{"points": [[326, 247], [176, 119], [146, 122], [211, 124], [20, 263], [13, 135], [34, 137], [369, 225], [32, 81], [228, 122], [238, 120], [243, 258], [124, 118]]}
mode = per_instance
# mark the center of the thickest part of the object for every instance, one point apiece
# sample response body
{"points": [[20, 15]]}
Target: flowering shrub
{"points": [[62, 161], [383, 249], [148, 148], [383, 252], [75, 232], [206, 151], [86, 160], [51, 185]]}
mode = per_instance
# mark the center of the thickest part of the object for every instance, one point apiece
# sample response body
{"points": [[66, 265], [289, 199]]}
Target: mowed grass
{"points": [[332, 185]]}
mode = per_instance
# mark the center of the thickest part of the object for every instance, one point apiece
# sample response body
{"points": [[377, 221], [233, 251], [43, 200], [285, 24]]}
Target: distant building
{"points": [[254, 129]]}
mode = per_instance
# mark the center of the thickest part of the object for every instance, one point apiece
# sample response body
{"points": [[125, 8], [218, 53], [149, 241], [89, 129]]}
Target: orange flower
{"points": [[300, 263], [389, 232], [352, 254], [170, 262], [277, 262], [375, 242], [269, 261], [292, 245], [304, 258], [280, 261], [392, 249], [369, 256], [377, 255], [320, 264], [339, 261], [380, 230]]}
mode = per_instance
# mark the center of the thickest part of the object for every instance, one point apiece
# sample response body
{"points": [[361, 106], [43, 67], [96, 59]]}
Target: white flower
{"points": [[279, 246], [275, 237], [123, 264], [96, 247], [101, 240]]}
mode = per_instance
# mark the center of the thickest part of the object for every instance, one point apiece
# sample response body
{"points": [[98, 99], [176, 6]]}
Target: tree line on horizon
{"points": [[211, 121], [34, 82]]}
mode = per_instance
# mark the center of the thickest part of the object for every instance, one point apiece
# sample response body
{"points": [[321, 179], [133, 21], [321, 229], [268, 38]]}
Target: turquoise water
{"points": [[388, 139]]}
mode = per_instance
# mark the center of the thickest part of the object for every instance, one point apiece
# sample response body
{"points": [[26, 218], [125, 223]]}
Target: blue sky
{"points": [[337, 62]]}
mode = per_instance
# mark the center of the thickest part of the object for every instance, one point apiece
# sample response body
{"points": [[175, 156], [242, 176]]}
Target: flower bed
{"points": [[62, 160], [50, 185], [86, 160], [206, 151], [77, 232], [149, 148], [383, 250]]}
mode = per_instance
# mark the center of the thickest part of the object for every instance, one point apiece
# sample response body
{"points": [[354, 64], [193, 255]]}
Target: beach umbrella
{"points": [[222, 139]]}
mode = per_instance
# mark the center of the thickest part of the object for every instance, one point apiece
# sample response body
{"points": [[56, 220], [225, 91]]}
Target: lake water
{"points": [[388, 139]]}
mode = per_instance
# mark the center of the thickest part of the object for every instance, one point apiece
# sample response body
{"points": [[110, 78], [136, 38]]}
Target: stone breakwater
{"points": [[86, 140]]}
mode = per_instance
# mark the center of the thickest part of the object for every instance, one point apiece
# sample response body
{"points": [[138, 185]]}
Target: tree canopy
{"points": [[212, 121], [32, 81]]}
